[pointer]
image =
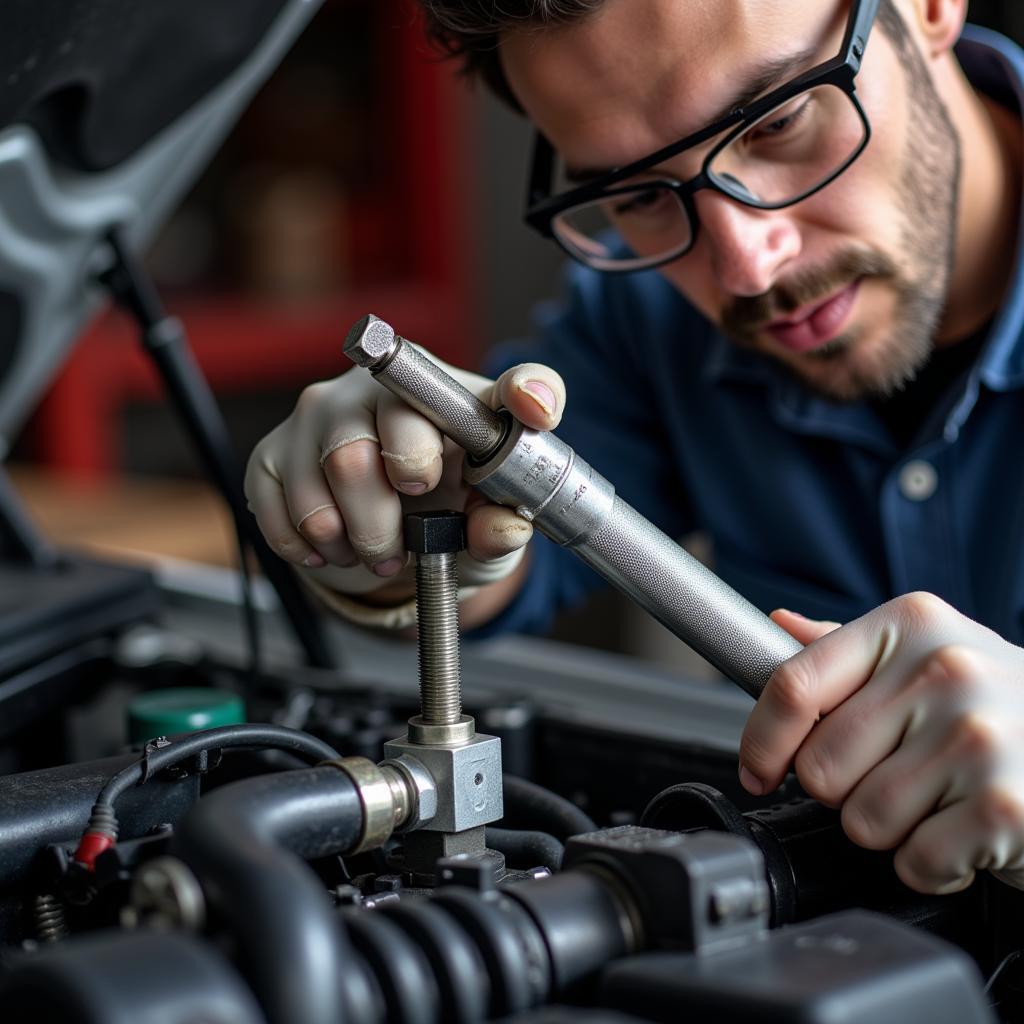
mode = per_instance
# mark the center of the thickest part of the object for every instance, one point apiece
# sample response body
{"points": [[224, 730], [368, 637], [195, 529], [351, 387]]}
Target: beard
{"points": [[849, 368]]}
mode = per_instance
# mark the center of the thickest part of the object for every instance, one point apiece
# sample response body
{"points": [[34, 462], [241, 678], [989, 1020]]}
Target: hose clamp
{"points": [[375, 795]]}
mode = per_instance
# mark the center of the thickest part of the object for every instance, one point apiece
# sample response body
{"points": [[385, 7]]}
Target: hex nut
{"points": [[369, 341], [467, 779], [435, 533]]}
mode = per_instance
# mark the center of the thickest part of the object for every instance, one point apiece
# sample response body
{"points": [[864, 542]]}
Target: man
{"points": [[821, 366]]}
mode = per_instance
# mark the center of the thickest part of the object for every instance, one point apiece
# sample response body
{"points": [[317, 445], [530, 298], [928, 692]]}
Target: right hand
{"points": [[330, 485]]}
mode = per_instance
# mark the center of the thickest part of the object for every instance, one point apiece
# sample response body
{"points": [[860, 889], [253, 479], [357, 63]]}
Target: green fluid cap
{"points": [[183, 709]]}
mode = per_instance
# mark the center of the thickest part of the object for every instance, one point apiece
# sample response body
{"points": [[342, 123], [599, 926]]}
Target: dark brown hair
{"points": [[470, 30]]}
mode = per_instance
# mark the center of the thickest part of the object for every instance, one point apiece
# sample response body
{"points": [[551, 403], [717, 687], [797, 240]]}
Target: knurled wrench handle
{"points": [[544, 480]]}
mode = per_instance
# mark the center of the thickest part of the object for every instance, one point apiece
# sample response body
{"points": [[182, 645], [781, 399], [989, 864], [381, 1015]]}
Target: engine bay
{"points": [[299, 866]]}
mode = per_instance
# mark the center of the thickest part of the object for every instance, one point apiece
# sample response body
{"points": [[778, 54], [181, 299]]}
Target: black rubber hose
{"points": [[583, 924], [246, 843], [524, 849], [530, 806], [121, 977]]}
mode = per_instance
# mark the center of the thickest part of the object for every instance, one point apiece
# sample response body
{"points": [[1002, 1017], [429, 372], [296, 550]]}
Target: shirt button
{"points": [[918, 480]]}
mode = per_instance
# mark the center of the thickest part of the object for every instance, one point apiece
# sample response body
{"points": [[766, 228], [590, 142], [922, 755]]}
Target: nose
{"points": [[749, 248]]}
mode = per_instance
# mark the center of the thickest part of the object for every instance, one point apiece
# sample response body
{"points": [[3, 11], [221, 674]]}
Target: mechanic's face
{"points": [[847, 287]]}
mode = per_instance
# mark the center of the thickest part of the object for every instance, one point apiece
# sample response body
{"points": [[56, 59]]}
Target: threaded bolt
{"points": [[437, 601], [436, 538]]}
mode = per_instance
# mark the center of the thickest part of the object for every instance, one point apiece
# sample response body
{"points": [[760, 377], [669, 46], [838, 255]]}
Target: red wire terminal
{"points": [[91, 845]]}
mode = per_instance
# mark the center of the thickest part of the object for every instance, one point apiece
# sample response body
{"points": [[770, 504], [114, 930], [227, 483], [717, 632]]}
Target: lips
{"points": [[816, 324]]}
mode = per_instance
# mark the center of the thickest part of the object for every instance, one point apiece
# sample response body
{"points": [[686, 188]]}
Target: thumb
{"points": [[533, 393], [800, 627]]}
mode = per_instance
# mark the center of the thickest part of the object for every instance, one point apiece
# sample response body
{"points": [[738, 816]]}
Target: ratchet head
{"points": [[371, 342]]}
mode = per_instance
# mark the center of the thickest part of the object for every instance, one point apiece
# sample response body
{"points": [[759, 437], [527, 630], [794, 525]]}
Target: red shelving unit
{"points": [[405, 166]]}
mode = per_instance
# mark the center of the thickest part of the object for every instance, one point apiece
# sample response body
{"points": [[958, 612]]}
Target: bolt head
{"points": [[369, 341], [435, 533]]}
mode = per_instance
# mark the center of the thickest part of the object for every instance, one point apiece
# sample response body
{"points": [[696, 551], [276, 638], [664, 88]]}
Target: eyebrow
{"points": [[771, 73]]}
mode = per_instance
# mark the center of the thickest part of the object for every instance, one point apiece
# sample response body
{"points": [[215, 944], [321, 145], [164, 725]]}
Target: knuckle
{"points": [[953, 674], [859, 824], [955, 663], [816, 770], [792, 688], [999, 810], [322, 527], [867, 819], [976, 736], [353, 465], [373, 543], [310, 398], [921, 607], [921, 865]]}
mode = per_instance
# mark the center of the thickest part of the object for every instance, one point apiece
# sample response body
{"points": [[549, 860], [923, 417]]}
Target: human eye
{"points": [[782, 122], [638, 204]]}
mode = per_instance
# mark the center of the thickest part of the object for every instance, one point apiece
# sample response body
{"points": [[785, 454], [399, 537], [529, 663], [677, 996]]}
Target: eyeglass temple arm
{"points": [[857, 32], [542, 166]]}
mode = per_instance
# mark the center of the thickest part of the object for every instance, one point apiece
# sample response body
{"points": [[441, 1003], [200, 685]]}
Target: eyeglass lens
{"points": [[789, 152]]}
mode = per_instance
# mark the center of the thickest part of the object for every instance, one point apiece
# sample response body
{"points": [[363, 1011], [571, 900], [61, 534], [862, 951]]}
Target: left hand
{"points": [[911, 719]]}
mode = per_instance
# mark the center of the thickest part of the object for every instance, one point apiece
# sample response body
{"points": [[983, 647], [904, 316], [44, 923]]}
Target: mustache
{"points": [[745, 315]]}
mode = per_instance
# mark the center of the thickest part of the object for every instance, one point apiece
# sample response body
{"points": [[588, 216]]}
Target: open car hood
{"points": [[109, 110]]}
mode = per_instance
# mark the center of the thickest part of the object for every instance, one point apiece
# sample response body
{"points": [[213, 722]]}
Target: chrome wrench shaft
{"points": [[544, 480]]}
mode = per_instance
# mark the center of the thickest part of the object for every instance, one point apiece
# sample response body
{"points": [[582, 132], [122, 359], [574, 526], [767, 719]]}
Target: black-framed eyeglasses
{"points": [[777, 151]]}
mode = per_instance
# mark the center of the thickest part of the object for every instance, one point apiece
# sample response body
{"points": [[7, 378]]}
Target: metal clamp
{"points": [[419, 780], [385, 801]]}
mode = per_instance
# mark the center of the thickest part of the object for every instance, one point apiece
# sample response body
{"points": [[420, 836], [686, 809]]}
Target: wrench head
{"points": [[370, 341]]}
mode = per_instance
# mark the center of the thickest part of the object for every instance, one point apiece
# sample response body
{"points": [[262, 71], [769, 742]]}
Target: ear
{"points": [[940, 23]]}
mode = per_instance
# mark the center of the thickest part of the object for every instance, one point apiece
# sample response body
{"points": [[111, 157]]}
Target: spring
{"points": [[48, 912]]}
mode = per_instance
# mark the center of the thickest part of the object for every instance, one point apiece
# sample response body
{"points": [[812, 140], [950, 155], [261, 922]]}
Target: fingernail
{"points": [[796, 615], [412, 487], [388, 568], [542, 395], [750, 782], [314, 561]]}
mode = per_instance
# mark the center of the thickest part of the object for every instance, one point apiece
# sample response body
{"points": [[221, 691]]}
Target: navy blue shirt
{"points": [[810, 504]]}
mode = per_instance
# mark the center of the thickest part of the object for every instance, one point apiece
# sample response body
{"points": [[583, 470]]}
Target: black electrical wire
{"points": [[164, 340], [139, 299], [157, 759], [252, 626], [1006, 961]]}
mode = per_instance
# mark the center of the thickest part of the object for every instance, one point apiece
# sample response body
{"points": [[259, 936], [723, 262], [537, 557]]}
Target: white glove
{"points": [[911, 719], [330, 485]]}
